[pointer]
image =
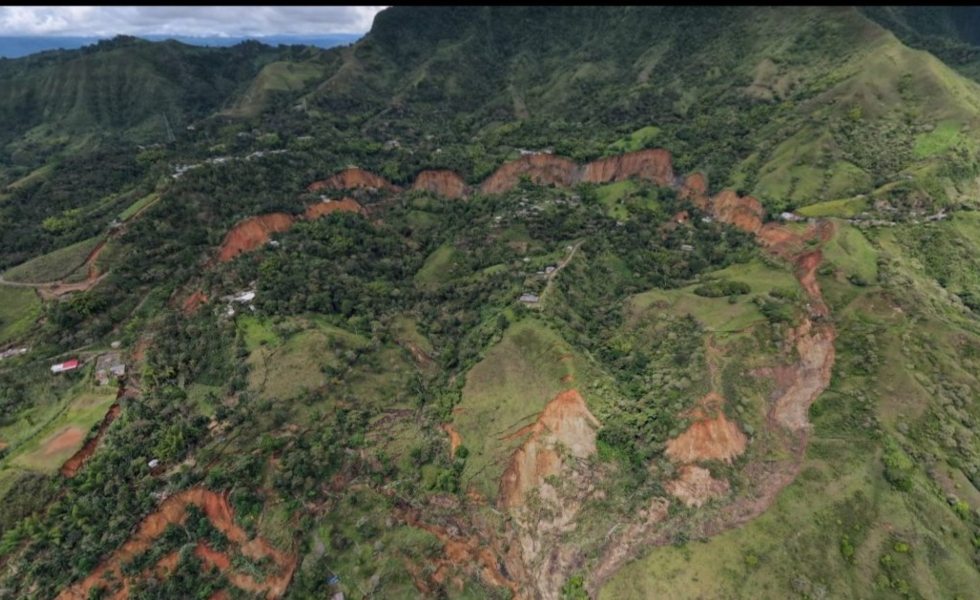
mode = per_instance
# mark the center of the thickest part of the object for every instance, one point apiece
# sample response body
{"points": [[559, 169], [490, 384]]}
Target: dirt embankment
{"points": [[351, 179], [746, 212], [542, 169], [252, 233], [193, 302], [442, 183], [455, 440], [565, 423], [255, 232], [462, 550], [695, 189], [653, 165], [712, 436], [694, 486], [73, 464], [174, 510]]}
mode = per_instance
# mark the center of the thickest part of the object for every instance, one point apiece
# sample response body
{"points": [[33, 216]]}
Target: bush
{"points": [[722, 287]]}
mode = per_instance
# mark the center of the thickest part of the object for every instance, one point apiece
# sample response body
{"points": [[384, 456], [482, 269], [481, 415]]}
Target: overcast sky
{"points": [[236, 21]]}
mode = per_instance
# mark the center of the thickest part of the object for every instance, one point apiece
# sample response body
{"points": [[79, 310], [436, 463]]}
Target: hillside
{"points": [[498, 303]]}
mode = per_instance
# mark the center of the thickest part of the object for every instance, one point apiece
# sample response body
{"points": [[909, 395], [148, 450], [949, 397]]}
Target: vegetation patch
{"points": [[55, 265], [19, 310]]}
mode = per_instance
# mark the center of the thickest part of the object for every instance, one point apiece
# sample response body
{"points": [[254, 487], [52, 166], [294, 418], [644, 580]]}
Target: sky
{"points": [[231, 21]]}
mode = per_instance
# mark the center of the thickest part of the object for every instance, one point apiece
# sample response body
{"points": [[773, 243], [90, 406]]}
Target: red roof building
{"points": [[68, 365]]}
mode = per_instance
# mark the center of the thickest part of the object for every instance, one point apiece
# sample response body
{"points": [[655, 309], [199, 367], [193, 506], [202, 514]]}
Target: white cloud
{"points": [[105, 21]]}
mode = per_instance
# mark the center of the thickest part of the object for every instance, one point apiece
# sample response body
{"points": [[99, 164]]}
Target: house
{"points": [[68, 365], [549, 269], [529, 298], [109, 366], [788, 216]]}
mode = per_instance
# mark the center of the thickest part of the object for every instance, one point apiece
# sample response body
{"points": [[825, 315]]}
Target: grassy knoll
{"points": [[19, 309], [54, 265]]}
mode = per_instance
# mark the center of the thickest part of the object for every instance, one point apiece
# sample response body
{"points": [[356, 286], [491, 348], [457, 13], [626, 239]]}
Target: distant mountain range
{"points": [[18, 46]]}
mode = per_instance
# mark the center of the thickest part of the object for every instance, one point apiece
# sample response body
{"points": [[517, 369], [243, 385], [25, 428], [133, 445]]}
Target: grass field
{"points": [[54, 265], [439, 267], [851, 252], [19, 309], [51, 446], [717, 314], [137, 206], [847, 207], [942, 138]]}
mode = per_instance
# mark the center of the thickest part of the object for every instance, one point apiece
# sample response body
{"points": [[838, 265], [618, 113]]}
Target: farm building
{"points": [[529, 298], [68, 365], [107, 366]]}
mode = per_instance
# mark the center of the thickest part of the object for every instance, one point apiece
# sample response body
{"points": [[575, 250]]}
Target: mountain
{"points": [[497, 302]]}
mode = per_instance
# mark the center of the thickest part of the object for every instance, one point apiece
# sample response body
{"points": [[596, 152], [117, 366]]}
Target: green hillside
{"points": [[579, 375]]}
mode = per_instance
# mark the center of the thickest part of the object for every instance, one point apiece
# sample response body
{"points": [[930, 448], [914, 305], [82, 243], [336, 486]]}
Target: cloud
{"points": [[236, 21]]}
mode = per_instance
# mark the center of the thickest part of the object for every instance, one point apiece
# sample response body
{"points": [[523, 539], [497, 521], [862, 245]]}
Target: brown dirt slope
{"points": [[710, 437], [252, 233], [649, 165], [542, 169], [353, 178], [442, 183], [565, 421]]}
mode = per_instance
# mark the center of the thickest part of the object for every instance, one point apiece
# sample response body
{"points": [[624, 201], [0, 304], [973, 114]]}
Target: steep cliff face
{"points": [[543, 169], [353, 178], [441, 183], [649, 165], [695, 189], [252, 233]]}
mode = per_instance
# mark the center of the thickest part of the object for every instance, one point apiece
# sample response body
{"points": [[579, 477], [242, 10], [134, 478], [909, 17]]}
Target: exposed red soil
{"points": [[565, 420], [454, 438], [252, 233], [746, 213], [193, 302], [462, 550], [542, 169], [442, 183], [67, 438], [174, 510], [73, 464], [695, 189], [353, 178], [649, 165], [710, 437], [695, 486], [315, 211]]}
